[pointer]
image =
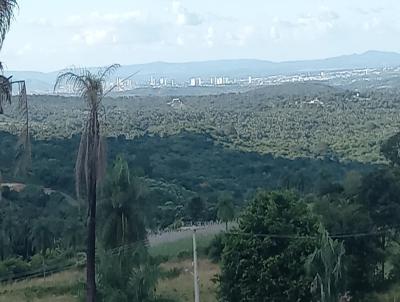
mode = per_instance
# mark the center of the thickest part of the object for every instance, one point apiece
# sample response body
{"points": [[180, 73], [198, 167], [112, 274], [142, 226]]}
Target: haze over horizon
{"points": [[65, 33]]}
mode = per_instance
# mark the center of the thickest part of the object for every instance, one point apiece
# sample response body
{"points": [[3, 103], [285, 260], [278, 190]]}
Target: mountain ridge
{"points": [[241, 68]]}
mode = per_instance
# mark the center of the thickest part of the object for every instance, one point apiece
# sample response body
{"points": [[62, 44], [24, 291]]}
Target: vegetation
{"points": [[90, 163], [327, 265], [226, 210], [264, 258], [281, 120], [205, 161]]}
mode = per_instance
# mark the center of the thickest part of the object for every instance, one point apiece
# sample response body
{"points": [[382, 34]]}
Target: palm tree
{"points": [[41, 235], [7, 8], [121, 209], [6, 15], [90, 162], [327, 267], [23, 154], [226, 210]]}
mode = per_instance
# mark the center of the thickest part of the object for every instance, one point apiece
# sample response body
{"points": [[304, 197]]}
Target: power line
{"points": [[294, 236]]}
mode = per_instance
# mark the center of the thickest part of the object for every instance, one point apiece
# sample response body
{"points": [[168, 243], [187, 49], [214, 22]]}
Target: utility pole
{"points": [[196, 277]]}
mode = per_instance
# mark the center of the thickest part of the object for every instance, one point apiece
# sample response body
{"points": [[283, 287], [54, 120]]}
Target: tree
{"points": [[127, 275], [226, 210], [41, 235], [90, 163], [23, 148], [121, 209], [380, 195], [391, 149], [341, 214], [7, 8], [196, 208], [264, 258], [326, 265]]}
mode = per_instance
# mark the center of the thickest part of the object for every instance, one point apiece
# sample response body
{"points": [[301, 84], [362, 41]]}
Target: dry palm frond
{"points": [[92, 151], [23, 148], [6, 15], [103, 73], [5, 92]]}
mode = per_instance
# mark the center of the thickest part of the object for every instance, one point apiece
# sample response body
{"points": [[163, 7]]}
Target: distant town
{"points": [[121, 85]]}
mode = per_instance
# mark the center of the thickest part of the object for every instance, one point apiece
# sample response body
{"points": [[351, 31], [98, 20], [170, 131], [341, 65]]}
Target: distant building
{"points": [[195, 82]]}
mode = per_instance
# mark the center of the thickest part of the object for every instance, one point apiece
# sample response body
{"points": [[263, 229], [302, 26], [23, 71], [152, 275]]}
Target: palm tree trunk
{"points": [[383, 261], [91, 246], [93, 140]]}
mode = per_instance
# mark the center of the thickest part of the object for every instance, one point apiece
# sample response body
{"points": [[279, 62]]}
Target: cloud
{"points": [[241, 37], [45, 22], [134, 16], [369, 11], [25, 49], [309, 25], [273, 33], [210, 36], [183, 16], [96, 36], [180, 41], [371, 24]]}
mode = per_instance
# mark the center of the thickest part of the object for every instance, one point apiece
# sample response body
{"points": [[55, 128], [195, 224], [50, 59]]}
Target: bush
{"points": [[185, 254], [215, 248], [172, 273]]}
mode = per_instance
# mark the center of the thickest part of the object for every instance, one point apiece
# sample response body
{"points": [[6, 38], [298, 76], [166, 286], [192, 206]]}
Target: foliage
{"points": [[226, 210], [127, 275], [121, 210], [91, 159], [257, 263], [327, 266], [195, 209], [215, 249]]}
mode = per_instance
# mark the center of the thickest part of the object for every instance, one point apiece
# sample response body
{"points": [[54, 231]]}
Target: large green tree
{"points": [[121, 209], [91, 160], [380, 195], [264, 258]]}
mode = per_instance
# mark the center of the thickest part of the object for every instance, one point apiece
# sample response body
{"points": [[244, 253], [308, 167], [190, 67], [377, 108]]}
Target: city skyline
{"points": [[62, 34]]}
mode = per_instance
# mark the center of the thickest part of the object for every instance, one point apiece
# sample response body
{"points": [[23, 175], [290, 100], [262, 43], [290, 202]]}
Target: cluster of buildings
{"points": [[120, 84]]}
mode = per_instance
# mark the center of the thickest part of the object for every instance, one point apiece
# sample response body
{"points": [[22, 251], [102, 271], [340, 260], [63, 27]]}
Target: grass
{"points": [[64, 286], [182, 248], [61, 287], [181, 288]]}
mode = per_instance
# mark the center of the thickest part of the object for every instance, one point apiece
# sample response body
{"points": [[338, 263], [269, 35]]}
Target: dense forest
{"points": [[199, 159], [291, 120]]}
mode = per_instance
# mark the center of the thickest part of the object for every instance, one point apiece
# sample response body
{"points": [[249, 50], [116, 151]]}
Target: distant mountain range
{"points": [[38, 82]]}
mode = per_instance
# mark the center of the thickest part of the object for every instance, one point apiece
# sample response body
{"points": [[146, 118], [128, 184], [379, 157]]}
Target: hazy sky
{"points": [[52, 34]]}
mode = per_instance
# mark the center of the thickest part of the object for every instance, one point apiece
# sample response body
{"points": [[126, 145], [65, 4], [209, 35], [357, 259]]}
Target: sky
{"points": [[48, 35]]}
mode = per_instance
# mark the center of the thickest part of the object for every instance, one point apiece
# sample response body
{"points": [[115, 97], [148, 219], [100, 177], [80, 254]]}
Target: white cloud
{"points": [[371, 24], [25, 49], [180, 41], [183, 16], [273, 33], [40, 22], [92, 37], [210, 36], [95, 17], [305, 25], [241, 36]]}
